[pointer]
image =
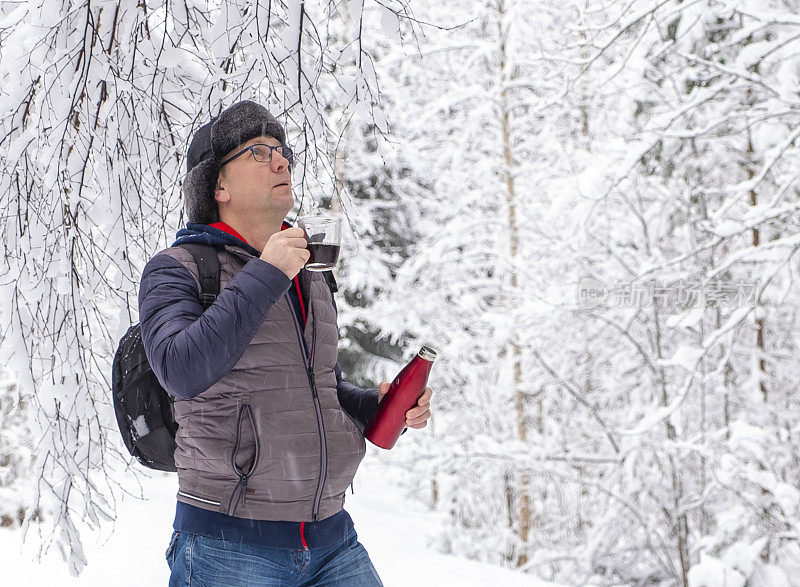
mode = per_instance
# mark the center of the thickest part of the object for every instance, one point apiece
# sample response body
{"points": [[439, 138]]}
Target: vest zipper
{"points": [[241, 487], [323, 453]]}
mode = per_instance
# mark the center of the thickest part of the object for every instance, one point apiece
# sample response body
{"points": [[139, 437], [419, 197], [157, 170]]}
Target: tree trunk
{"points": [[516, 359], [680, 522], [759, 319]]}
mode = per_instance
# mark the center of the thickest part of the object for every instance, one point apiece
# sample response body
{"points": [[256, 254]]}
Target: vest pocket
{"points": [[244, 457], [246, 450]]}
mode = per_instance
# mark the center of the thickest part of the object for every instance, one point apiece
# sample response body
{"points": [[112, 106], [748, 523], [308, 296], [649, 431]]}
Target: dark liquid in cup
{"points": [[323, 256]]}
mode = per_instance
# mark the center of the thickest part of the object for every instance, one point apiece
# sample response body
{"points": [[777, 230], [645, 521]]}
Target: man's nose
{"points": [[279, 161]]}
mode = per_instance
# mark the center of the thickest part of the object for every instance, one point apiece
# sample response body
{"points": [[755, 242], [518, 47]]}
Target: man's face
{"points": [[250, 189]]}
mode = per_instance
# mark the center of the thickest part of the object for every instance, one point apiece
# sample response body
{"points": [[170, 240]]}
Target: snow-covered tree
{"points": [[590, 208], [631, 145], [98, 101]]}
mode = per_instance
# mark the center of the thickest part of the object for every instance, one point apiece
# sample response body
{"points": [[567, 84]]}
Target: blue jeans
{"points": [[209, 562]]}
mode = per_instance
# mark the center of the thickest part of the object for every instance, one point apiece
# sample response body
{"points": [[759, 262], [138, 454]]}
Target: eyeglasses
{"points": [[263, 153]]}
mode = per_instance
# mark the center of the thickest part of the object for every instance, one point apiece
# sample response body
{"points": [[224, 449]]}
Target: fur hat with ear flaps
{"points": [[235, 125]]}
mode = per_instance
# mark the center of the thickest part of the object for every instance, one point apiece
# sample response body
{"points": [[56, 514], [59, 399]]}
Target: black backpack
{"points": [[145, 415], [144, 410]]}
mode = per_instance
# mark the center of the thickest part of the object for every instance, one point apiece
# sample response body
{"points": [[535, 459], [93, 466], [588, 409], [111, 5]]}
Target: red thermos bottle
{"points": [[404, 393]]}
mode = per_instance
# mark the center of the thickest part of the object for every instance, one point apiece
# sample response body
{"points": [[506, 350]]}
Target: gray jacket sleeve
{"points": [[190, 349]]}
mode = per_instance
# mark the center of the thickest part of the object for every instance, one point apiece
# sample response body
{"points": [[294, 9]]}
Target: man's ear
{"points": [[221, 194]]}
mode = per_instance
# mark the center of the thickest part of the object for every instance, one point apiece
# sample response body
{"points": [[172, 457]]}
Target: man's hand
{"points": [[287, 250], [416, 417]]}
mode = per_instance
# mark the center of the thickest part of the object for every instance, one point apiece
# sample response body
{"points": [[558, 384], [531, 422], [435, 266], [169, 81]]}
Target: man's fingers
{"points": [[299, 243], [417, 418], [421, 411], [426, 397], [383, 387], [416, 412], [289, 233]]}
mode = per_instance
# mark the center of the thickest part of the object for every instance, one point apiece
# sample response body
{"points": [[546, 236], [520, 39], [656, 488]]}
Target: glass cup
{"points": [[324, 238]]}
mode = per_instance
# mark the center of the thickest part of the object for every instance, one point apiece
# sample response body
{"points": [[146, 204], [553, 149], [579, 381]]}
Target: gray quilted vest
{"points": [[270, 441]]}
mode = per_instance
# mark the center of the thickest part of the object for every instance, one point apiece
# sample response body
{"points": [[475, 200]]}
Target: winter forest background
{"points": [[590, 207]]}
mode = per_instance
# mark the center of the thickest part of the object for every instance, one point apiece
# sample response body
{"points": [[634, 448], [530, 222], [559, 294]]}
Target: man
{"points": [[270, 434]]}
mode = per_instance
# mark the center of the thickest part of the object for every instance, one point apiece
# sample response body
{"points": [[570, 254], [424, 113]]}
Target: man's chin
{"points": [[281, 206]]}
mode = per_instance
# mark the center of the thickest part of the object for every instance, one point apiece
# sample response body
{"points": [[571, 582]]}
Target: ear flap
{"points": [[198, 192]]}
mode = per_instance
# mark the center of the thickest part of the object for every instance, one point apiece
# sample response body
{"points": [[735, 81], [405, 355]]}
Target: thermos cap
{"points": [[427, 353]]}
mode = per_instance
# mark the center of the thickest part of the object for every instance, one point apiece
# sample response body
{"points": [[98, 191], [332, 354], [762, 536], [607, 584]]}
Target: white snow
{"points": [[131, 553], [626, 142]]}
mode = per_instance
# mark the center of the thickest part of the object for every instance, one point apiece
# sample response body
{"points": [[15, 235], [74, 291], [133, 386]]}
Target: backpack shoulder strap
{"points": [[208, 267], [331, 281]]}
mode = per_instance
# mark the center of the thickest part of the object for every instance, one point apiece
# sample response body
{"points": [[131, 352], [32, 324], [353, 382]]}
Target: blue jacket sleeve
{"points": [[190, 349], [361, 404]]}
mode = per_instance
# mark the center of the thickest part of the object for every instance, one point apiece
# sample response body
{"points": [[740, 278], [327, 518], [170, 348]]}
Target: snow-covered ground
{"points": [[131, 551]]}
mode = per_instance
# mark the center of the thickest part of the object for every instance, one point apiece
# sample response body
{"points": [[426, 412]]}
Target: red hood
{"points": [[232, 231]]}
